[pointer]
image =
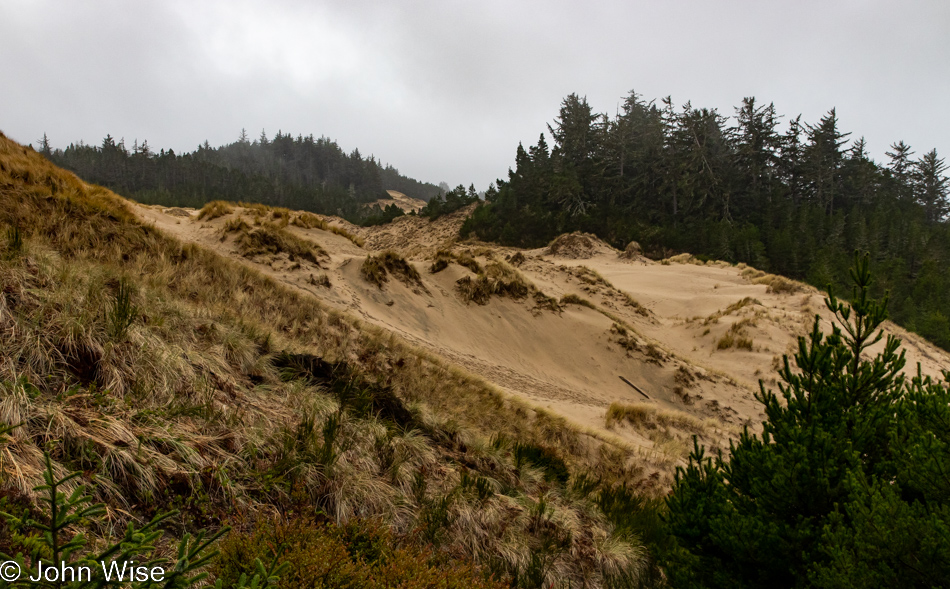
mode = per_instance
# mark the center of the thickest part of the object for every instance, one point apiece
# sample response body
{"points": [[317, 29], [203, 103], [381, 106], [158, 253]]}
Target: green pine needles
{"points": [[847, 485], [14, 242], [60, 557], [122, 312]]}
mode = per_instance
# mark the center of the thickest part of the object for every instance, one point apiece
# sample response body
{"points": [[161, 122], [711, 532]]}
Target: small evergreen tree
{"points": [[61, 545], [846, 486]]}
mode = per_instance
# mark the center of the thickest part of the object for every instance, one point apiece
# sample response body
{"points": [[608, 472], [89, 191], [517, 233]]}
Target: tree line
{"points": [[303, 173], [795, 199]]}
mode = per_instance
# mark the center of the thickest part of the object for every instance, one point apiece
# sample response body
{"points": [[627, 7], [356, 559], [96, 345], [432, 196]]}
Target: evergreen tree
{"points": [[823, 158], [44, 146], [901, 166], [930, 185], [847, 446]]}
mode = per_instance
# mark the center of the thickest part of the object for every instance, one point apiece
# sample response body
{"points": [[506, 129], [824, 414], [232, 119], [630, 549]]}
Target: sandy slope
{"points": [[406, 203], [570, 361]]}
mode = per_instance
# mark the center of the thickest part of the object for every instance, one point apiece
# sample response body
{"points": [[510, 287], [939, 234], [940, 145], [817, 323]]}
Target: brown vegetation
{"points": [[271, 240], [376, 269], [497, 279], [214, 209]]}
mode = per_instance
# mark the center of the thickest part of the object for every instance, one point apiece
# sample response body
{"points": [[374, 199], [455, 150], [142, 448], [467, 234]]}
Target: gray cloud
{"points": [[446, 90]]}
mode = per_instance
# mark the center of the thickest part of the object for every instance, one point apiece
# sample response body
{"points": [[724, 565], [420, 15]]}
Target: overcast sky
{"points": [[445, 90]]}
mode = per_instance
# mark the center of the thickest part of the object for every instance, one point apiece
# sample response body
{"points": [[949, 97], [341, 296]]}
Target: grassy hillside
{"points": [[173, 378]]}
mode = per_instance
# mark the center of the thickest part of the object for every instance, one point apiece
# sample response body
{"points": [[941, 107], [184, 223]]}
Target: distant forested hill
{"points": [[796, 199], [295, 172]]}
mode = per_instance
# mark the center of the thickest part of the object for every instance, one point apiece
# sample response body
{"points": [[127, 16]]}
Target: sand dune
{"points": [[661, 327]]}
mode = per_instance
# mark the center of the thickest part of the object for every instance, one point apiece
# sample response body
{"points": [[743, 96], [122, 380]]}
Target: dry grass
{"points": [[235, 225], [575, 245], [445, 257], [645, 416], [736, 336], [597, 284], [543, 302], [573, 299], [376, 269], [270, 239], [193, 407], [497, 279], [311, 221], [682, 259], [214, 209], [589, 276], [776, 284], [733, 308]]}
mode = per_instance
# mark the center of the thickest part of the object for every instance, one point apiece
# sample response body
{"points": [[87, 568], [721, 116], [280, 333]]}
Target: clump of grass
{"points": [[376, 269], [356, 239], [272, 240], [573, 299], [311, 221], [122, 312], [14, 242], [776, 284], [466, 260], [741, 303], [744, 343], [320, 280], [215, 209], [736, 336], [236, 225], [726, 341], [444, 257], [543, 302], [281, 214], [649, 417], [260, 209], [625, 339], [497, 279], [634, 304], [442, 260], [478, 290], [683, 259], [782, 285], [373, 270], [590, 276], [517, 259]]}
